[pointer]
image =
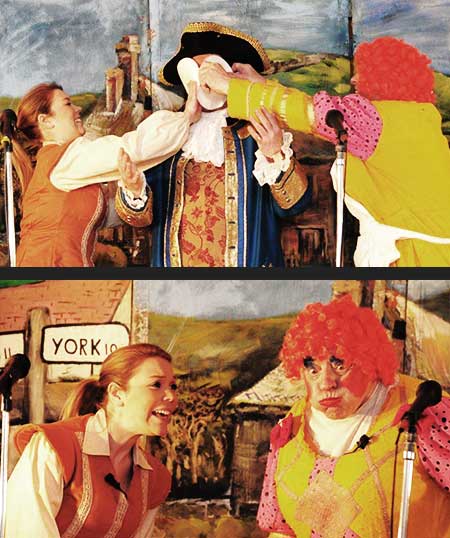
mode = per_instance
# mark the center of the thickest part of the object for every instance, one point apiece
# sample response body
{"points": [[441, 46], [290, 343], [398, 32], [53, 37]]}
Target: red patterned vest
{"points": [[58, 228], [91, 507]]}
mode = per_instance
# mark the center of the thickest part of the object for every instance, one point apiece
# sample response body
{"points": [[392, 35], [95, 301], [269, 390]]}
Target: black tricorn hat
{"points": [[209, 37]]}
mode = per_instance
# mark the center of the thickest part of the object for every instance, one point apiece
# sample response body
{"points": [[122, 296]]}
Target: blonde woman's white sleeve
{"points": [[35, 492], [86, 162]]}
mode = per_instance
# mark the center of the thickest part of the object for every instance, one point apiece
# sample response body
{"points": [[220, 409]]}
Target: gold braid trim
{"points": [[177, 214], [196, 27], [137, 218], [231, 199], [291, 187], [374, 467], [85, 503]]}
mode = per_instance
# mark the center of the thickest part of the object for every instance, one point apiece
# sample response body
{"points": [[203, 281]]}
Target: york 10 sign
{"points": [[83, 343]]}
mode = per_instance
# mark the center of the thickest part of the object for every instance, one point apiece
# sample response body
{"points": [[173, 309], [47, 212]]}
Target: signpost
{"points": [[82, 344]]}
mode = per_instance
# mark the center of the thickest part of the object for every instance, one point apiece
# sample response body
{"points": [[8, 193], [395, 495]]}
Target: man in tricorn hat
{"points": [[218, 201]]}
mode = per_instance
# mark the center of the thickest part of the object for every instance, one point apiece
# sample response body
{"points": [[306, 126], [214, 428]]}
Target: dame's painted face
{"points": [[335, 389], [150, 398], [63, 124]]}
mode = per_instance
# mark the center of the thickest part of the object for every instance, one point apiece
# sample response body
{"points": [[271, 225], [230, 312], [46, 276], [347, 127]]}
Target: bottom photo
{"points": [[225, 408]]}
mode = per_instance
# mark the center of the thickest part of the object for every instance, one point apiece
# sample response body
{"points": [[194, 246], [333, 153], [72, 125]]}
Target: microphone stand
{"points": [[341, 154], [9, 200], [408, 465], [6, 408]]}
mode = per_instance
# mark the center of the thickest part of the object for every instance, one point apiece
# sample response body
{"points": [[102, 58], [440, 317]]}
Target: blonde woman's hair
{"points": [[91, 394], [27, 137]]}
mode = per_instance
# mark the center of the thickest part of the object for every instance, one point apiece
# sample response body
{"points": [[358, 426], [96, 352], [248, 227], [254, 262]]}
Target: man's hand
{"points": [[266, 130], [247, 72], [213, 77], [192, 109], [129, 174]]}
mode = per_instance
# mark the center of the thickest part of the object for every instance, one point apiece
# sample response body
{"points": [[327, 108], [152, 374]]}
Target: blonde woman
{"points": [[86, 475], [63, 204]]}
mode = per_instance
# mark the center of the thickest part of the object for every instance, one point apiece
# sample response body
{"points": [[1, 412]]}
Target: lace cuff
{"points": [[267, 172]]}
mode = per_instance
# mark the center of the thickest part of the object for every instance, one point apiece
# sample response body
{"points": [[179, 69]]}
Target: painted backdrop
{"points": [[224, 336], [72, 41], [82, 44]]}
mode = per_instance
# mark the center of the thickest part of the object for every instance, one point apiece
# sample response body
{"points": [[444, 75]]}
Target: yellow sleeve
{"points": [[292, 106]]}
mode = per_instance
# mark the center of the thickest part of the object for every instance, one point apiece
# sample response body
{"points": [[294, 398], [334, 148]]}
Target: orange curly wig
{"points": [[390, 69], [345, 331]]}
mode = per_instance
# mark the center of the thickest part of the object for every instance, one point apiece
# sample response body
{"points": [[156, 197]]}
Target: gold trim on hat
{"points": [[194, 27]]}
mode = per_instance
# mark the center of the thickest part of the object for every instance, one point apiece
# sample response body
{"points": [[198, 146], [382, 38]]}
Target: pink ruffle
{"points": [[361, 119], [269, 516], [433, 440]]}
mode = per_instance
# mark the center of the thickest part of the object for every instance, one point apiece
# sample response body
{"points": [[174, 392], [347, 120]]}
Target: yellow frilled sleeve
{"points": [[292, 106]]}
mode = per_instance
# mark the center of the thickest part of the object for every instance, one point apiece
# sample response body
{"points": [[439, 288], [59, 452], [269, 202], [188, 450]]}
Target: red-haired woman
{"points": [[63, 204], [330, 468], [87, 475], [398, 163]]}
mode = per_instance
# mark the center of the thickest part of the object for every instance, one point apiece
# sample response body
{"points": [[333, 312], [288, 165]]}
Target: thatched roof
{"points": [[272, 390]]}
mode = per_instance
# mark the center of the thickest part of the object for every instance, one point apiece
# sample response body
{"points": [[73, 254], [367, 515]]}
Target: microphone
{"points": [[16, 368], [335, 120], [363, 441], [428, 393], [8, 121]]}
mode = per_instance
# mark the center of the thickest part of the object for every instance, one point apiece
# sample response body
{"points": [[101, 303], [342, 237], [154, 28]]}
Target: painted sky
{"points": [[229, 299], [72, 41], [423, 23], [422, 289], [249, 299]]}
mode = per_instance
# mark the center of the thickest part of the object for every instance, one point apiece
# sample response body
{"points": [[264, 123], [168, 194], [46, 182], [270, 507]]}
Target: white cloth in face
{"points": [[205, 140], [333, 437]]}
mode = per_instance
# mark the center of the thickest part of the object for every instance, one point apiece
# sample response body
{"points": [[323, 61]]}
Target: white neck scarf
{"points": [[333, 437], [205, 141]]}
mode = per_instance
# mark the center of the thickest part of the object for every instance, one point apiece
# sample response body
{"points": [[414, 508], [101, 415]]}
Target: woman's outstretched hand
{"points": [[131, 178]]}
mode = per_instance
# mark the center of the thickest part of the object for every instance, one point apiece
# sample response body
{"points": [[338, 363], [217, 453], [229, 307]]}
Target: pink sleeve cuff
{"points": [[433, 440], [361, 119]]}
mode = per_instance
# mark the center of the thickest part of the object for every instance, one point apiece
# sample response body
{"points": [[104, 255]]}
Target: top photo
{"points": [[205, 133]]}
